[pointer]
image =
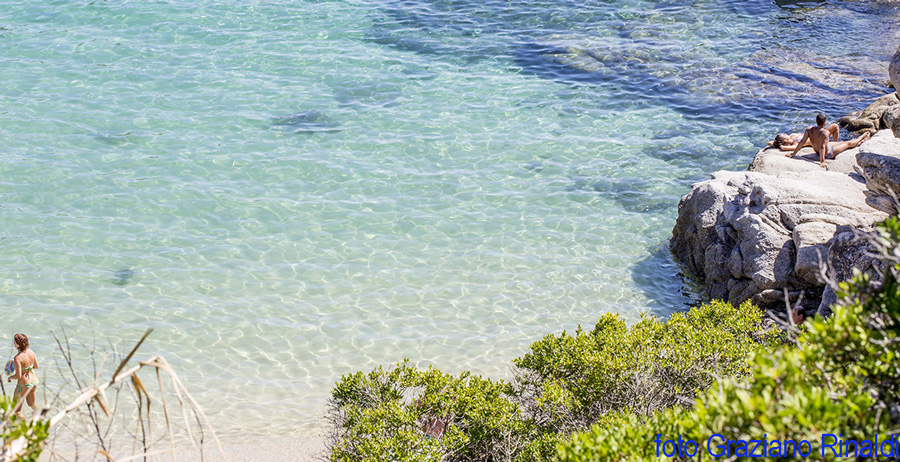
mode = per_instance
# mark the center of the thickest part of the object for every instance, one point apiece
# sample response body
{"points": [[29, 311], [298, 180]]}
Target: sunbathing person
{"points": [[818, 136], [787, 142]]}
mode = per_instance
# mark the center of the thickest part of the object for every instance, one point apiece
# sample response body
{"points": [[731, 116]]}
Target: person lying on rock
{"points": [[788, 143], [817, 137]]}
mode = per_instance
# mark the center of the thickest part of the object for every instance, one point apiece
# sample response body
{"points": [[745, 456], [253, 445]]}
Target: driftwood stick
{"points": [[133, 350], [187, 422], [196, 407], [91, 392], [162, 394], [139, 390], [100, 369], [17, 448]]}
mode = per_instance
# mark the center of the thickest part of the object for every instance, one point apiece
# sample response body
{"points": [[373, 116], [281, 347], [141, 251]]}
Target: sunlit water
{"points": [[291, 191]]}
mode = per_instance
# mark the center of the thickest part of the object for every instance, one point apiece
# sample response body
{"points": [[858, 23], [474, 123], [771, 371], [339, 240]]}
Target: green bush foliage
{"points": [[842, 378], [408, 414], [12, 428], [572, 381], [563, 384]]}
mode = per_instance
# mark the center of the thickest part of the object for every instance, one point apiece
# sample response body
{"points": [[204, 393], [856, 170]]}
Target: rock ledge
{"points": [[761, 234]]}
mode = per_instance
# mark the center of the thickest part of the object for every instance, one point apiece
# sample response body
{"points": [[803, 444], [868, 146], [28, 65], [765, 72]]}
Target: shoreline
{"points": [[302, 449], [279, 449]]}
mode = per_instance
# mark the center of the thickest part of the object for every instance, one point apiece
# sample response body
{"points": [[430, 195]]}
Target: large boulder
{"points": [[754, 236], [879, 164], [850, 250], [773, 161], [871, 117], [891, 120]]}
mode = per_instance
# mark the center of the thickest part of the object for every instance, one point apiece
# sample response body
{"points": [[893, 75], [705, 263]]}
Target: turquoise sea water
{"points": [[291, 191]]}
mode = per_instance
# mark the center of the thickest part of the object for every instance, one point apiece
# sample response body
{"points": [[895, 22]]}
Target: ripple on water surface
{"points": [[291, 191]]}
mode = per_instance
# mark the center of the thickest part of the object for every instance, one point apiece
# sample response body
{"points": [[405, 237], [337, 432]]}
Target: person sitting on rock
{"points": [[817, 137], [787, 142]]}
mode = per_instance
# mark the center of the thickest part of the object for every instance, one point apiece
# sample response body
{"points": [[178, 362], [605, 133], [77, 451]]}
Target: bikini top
{"points": [[28, 369]]}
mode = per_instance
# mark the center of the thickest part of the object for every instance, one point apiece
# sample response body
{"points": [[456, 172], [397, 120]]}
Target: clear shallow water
{"points": [[291, 191]]}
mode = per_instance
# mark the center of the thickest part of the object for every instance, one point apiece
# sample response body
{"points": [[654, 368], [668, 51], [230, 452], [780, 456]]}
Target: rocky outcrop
{"points": [[772, 161], [767, 233], [884, 113], [872, 118], [891, 120], [850, 250], [751, 235], [879, 164], [755, 235]]}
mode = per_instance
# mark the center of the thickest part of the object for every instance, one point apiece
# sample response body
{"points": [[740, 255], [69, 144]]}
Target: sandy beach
{"points": [[288, 450]]}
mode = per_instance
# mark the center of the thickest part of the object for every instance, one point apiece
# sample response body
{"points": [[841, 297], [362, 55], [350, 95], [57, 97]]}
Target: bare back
{"points": [[25, 362], [818, 138]]}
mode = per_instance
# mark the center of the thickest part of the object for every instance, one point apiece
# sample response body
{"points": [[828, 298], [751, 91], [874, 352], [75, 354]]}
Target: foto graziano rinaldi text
{"points": [[833, 445]]}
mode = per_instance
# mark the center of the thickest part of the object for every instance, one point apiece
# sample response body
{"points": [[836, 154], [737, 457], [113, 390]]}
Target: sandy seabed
{"points": [[274, 450], [304, 449]]}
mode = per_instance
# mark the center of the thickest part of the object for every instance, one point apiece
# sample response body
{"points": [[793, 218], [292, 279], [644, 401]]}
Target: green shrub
{"points": [[388, 415], [564, 384], [12, 428], [572, 381], [841, 378]]}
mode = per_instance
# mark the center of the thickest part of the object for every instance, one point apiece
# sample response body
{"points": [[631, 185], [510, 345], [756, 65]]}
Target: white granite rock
{"points": [[891, 120], [751, 235], [773, 161], [879, 164], [872, 117]]}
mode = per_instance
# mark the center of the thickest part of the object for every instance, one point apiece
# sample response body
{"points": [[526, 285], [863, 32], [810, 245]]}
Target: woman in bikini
{"points": [[832, 147], [25, 362], [787, 142]]}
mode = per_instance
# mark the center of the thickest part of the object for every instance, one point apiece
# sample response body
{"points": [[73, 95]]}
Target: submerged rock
{"points": [[314, 121], [366, 94], [122, 277], [766, 81]]}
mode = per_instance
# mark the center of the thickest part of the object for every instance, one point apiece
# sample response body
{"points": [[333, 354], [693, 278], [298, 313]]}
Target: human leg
{"points": [[841, 146], [834, 131], [25, 394], [836, 148], [19, 400], [30, 396]]}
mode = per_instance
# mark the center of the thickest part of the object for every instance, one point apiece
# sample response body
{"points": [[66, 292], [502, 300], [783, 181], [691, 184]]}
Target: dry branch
{"points": [[19, 448]]}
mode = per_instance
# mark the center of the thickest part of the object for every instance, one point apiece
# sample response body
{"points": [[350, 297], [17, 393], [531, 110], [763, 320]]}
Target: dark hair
{"points": [[820, 119], [798, 312], [780, 140], [21, 341]]}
